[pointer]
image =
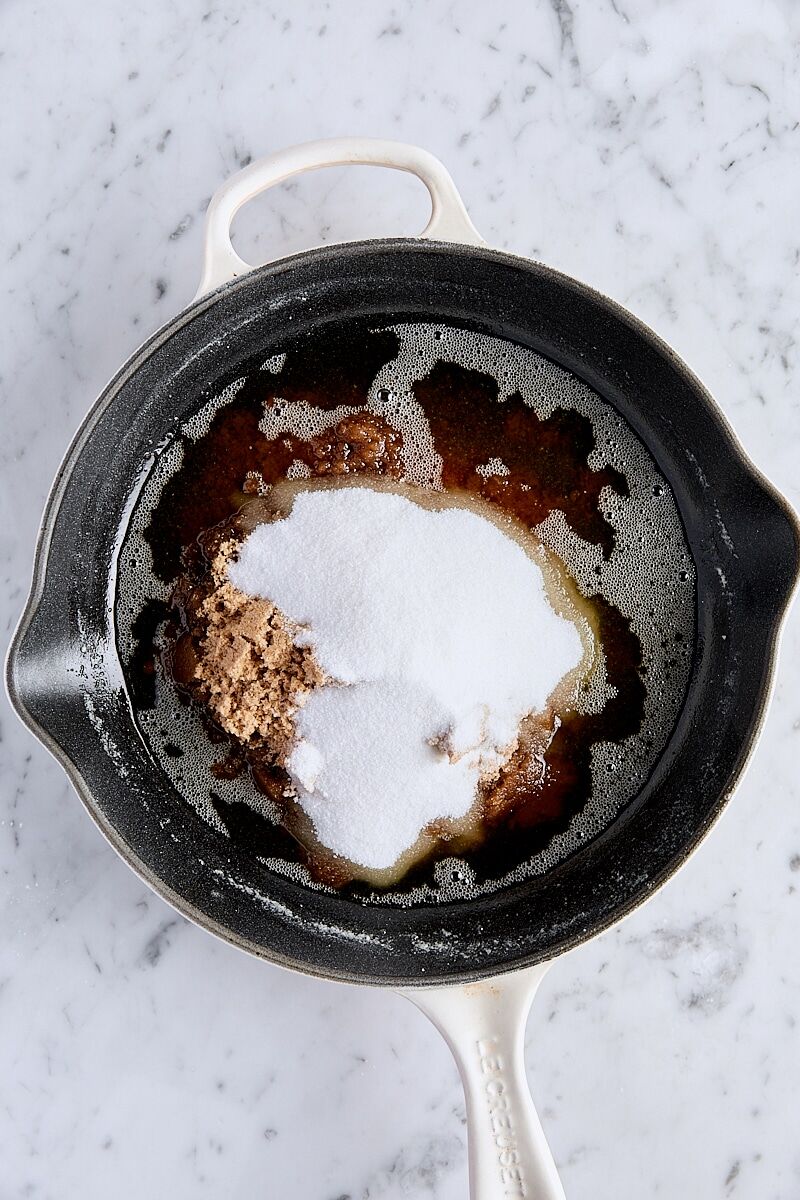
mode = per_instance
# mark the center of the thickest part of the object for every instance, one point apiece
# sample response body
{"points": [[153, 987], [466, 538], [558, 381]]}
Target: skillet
{"points": [[472, 966]]}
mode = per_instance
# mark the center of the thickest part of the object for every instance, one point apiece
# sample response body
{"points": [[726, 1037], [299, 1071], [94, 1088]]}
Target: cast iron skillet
{"points": [[66, 683]]}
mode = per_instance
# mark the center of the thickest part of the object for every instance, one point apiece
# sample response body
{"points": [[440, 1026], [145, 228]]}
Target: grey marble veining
{"points": [[650, 149]]}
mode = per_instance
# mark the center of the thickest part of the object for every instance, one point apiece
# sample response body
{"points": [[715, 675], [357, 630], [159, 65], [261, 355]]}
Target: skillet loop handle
{"points": [[448, 221], [484, 1026]]}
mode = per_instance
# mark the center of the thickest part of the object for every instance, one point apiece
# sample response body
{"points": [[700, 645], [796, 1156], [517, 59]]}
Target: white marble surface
{"points": [[649, 148]]}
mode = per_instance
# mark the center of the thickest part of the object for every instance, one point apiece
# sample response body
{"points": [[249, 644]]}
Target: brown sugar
{"points": [[243, 663]]}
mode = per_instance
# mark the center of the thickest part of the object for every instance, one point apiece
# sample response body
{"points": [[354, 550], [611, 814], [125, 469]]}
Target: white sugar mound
{"points": [[440, 624], [376, 781]]}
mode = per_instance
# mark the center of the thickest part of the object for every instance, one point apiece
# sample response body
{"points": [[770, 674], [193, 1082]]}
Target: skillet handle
{"points": [[484, 1026], [448, 221]]}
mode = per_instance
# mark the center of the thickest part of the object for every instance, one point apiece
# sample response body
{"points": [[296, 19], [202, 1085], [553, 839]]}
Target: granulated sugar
{"points": [[368, 774], [437, 629]]}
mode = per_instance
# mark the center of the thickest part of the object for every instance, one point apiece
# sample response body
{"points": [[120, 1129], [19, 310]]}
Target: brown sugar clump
{"points": [[241, 661]]}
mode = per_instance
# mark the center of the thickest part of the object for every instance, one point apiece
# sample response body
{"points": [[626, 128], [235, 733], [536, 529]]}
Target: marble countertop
{"points": [[650, 149]]}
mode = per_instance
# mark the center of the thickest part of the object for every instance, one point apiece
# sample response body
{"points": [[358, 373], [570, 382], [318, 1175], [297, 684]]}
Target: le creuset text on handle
{"points": [[484, 1025]]}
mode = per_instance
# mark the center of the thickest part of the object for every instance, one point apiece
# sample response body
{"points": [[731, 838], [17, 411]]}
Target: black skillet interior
{"points": [[743, 538]]}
